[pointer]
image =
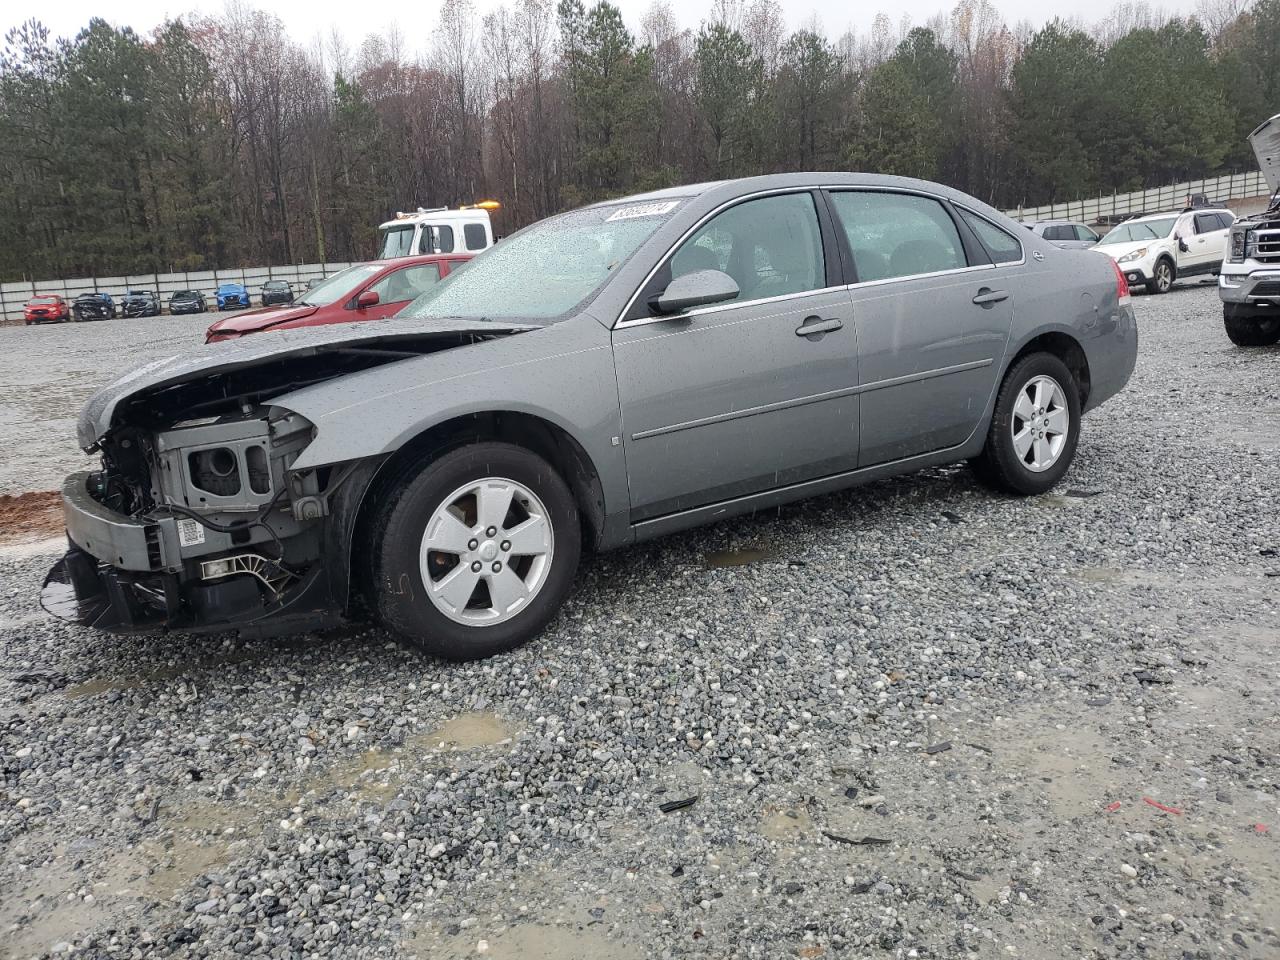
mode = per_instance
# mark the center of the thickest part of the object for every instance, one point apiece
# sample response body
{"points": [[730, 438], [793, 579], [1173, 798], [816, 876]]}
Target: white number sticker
{"points": [[643, 210], [190, 533]]}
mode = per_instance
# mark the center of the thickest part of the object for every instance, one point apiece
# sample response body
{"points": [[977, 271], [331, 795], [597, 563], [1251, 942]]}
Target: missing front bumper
{"points": [[82, 589]]}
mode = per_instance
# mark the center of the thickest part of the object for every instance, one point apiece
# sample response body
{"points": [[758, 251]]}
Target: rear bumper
{"points": [[1257, 287]]}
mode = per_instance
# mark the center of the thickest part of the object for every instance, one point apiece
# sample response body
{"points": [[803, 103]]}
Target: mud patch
{"points": [[30, 517], [464, 732], [738, 557]]}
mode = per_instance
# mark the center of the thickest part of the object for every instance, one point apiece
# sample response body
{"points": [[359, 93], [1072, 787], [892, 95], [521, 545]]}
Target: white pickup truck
{"points": [[1249, 284], [437, 230]]}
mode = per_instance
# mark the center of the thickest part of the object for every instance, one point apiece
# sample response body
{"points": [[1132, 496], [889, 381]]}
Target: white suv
{"points": [[1159, 248]]}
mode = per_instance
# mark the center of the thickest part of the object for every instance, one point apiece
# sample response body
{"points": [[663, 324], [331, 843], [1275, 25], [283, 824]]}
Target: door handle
{"points": [[988, 296], [817, 325]]}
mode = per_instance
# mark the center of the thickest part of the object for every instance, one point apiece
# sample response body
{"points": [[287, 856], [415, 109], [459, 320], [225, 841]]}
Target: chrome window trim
{"points": [[621, 323], [723, 307], [921, 276]]}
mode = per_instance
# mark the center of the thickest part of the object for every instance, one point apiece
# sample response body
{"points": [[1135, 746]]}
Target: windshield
{"points": [[275, 285], [1144, 230], [396, 241], [44, 300], [339, 286], [546, 270], [187, 294]]}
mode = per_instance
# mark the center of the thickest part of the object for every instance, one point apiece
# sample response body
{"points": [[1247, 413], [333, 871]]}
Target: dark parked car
{"points": [[93, 306], [187, 301], [140, 303], [615, 373], [276, 291]]}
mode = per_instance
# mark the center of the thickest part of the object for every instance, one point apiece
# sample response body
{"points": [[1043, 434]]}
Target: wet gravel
{"points": [[914, 720]]}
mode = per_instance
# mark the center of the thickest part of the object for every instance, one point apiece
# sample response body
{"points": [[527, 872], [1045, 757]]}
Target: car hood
{"points": [[256, 320], [288, 359], [1266, 147], [1117, 250]]}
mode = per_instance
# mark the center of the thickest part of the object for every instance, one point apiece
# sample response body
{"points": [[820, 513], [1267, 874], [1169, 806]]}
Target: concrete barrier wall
{"points": [[14, 295], [1237, 186]]}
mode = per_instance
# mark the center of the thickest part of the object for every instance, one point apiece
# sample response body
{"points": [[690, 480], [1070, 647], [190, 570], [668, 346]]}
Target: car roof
{"points": [[1050, 223], [1153, 216]]}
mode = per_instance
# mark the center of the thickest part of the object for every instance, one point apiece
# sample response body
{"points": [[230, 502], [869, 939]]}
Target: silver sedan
{"points": [[618, 372]]}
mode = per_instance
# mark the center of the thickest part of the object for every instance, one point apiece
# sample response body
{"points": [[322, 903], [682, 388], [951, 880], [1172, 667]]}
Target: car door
{"points": [[932, 313], [755, 393], [398, 288], [1209, 242], [1086, 236]]}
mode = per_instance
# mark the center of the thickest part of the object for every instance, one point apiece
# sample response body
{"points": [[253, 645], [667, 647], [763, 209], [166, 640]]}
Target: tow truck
{"points": [[466, 229]]}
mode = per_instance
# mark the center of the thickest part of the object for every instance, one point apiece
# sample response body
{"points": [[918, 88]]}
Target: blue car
{"points": [[232, 296]]}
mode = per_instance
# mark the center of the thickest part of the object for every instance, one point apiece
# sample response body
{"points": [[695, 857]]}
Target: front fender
{"points": [[562, 373]]}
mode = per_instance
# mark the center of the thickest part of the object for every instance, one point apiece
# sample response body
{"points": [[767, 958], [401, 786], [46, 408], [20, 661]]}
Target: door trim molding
{"points": [[812, 398]]}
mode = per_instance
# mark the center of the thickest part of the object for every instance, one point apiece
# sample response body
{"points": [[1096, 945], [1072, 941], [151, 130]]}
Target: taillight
{"points": [[1122, 285]]}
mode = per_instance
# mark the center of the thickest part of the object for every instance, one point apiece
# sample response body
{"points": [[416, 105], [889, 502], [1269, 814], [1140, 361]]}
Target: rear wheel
{"points": [[474, 554], [1034, 429], [1246, 327], [1162, 278]]}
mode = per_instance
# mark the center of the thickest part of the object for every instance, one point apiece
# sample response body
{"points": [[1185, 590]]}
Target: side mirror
{"points": [[1182, 244], [696, 289], [369, 298]]}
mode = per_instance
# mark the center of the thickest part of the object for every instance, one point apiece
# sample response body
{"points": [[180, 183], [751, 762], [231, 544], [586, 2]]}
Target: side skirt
{"points": [[684, 519]]}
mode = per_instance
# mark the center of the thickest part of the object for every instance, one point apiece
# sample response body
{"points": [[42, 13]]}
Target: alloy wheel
{"points": [[486, 551], [1040, 423]]}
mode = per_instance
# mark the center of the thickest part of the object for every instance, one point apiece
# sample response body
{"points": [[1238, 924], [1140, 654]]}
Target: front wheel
{"points": [[1034, 429], [1162, 279], [474, 554], [1245, 328]]}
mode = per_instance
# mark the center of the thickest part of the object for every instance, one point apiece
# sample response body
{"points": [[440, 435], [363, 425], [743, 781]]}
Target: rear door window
{"points": [[1207, 223], [1003, 246], [895, 235]]}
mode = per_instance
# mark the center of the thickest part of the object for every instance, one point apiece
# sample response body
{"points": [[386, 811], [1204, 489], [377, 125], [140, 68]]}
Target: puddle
{"points": [[372, 776], [464, 732], [785, 826], [99, 685], [738, 557], [539, 942]]}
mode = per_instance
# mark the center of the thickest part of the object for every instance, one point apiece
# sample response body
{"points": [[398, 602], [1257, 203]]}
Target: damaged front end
{"points": [[197, 519], [195, 527]]}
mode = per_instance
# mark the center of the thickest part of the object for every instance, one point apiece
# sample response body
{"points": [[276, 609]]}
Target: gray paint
{"points": [[726, 409]]}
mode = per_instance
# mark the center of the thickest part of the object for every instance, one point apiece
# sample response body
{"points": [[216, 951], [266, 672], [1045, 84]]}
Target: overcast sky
{"points": [[307, 20]]}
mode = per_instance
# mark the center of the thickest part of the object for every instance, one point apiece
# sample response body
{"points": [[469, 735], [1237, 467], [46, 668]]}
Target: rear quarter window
{"points": [[1003, 246]]}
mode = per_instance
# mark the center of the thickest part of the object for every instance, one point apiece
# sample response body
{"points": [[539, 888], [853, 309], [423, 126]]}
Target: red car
{"points": [[366, 291], [46, 309]]}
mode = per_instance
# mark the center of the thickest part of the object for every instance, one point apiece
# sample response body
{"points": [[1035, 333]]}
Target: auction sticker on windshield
{"points": [[643, 210]]}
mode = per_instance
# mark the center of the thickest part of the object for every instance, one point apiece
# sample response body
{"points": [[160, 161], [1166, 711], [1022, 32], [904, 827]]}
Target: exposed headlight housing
{"points": [[1239, 245], [1133, 255]]}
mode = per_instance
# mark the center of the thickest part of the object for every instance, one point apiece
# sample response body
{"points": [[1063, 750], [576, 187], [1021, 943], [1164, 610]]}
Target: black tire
{"points": [[1247, 327], [396, 591], [999, 465], [1164, 275]]}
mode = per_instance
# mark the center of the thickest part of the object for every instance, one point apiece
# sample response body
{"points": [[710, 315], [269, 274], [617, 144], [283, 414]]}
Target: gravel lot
{"points": [[918, 719]]}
